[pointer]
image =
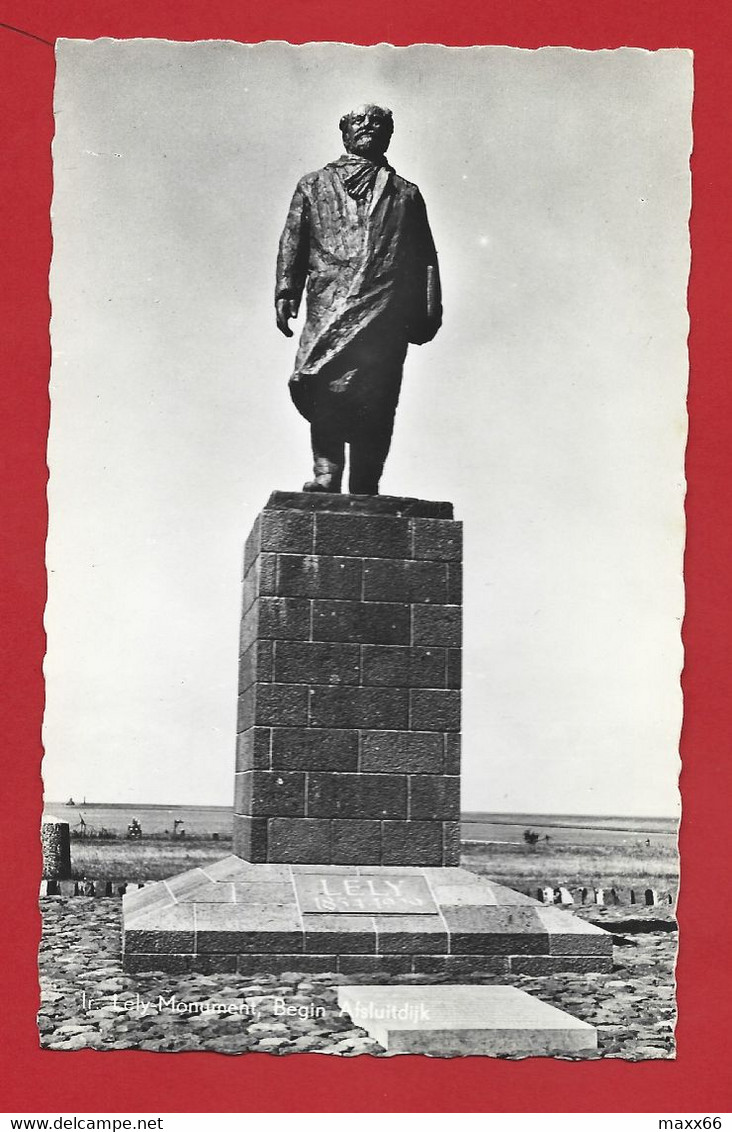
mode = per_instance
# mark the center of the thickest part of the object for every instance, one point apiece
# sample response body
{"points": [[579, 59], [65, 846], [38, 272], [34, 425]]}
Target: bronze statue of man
{"points": [[358, 235]]}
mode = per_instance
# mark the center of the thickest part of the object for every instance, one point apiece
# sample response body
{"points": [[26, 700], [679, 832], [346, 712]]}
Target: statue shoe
{"points": [[323, 484]]}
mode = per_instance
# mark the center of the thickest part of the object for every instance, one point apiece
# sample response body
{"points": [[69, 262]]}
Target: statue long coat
{"points": [[358, 235]]}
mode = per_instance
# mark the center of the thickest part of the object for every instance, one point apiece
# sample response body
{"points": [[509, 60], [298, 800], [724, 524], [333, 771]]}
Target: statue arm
{"points": [[429, 306], [292, 260]]}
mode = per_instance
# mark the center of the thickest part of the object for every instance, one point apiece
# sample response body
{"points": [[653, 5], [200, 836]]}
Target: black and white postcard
{"points": [[368, 419]]}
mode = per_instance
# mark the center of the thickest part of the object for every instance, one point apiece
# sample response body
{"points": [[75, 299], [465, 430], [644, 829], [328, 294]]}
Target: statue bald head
{"points": [[367, 130]]}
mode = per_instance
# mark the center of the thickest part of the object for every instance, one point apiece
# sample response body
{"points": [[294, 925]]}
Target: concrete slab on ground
{"points": [[451, 1021]]}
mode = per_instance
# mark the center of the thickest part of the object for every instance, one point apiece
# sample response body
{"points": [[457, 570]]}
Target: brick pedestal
{"points": [[348, 747]]}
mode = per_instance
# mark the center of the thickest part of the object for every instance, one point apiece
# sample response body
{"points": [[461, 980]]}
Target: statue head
{"points": [[367, 130]]}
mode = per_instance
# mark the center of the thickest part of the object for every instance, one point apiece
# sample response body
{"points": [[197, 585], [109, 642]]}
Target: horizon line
{"points": [[464, 814]]}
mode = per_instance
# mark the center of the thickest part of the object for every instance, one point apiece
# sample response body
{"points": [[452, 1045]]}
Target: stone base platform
{"points": [[243, 917]]}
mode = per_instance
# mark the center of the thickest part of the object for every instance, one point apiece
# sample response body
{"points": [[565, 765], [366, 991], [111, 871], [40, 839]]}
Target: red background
{"points": [[48, 1081]]}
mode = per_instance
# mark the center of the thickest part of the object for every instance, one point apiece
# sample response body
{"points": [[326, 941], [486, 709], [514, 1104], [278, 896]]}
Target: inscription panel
{"points": [[393, 894]]}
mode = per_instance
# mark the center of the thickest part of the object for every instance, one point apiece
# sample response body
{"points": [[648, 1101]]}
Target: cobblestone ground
{"points": [[81, 972]]}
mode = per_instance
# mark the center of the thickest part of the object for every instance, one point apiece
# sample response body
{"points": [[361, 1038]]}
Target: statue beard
{"points": [[372, 149]]}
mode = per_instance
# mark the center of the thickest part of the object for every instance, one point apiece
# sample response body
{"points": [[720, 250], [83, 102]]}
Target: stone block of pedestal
{"points": [[348, 746]]}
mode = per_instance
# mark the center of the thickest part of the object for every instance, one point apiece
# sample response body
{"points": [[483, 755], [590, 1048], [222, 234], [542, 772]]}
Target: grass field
{"points": [[143, 860], [514, 865], [606, 866]]}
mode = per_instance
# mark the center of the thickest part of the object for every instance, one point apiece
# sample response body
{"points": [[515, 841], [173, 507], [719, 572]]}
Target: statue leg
{"points": [[367, 456], [328, 458], [370, 436]]}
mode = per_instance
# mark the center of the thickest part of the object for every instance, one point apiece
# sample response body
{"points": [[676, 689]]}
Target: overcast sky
{"points": [[550, 409]]}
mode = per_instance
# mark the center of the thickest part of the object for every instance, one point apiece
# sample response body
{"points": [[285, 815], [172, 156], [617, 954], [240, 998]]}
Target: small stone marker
{"points": [[599, 896], [56, 845], [565, 896], [652, 896], [384, 894], [450, 1021], [546, 895]]}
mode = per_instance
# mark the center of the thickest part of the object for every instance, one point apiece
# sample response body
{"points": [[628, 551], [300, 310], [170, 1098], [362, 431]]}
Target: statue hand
{"points": [[286, 309]]}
